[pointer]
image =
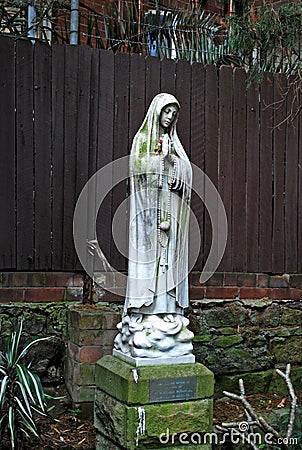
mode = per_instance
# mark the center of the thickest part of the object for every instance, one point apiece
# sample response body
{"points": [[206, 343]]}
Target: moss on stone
{"points": [[227, 341], [224, 317], [254, 382], [115, 377], [202, 338], [291, 316], [288, 350], [278, 384], [226, 330], [119, 422]]}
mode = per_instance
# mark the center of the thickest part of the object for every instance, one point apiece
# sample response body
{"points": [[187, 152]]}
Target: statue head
{"points": [[168, 116], [161, 118]]}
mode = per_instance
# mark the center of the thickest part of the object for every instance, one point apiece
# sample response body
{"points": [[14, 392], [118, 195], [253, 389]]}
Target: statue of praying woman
{"points": [[153, 326]]}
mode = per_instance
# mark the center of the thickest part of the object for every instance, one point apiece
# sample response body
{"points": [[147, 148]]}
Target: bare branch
{"points": [[293, 403], [252, 416]]}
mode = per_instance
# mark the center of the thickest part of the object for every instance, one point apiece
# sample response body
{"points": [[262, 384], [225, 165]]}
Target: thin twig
{"points": [[252, 416], [293, 403]]}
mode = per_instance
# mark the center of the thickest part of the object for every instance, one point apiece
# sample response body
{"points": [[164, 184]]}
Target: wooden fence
{"points": [[67, 111]]}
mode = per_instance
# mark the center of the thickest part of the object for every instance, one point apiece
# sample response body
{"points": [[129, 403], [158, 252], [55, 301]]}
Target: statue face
{"points": [[167, 115]]}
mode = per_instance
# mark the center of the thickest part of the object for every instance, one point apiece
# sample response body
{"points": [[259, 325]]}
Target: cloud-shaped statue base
{"points": [[154, 336]]}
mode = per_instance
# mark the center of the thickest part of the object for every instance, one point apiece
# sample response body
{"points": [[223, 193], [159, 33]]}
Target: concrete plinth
{"points": [[152, 407]]}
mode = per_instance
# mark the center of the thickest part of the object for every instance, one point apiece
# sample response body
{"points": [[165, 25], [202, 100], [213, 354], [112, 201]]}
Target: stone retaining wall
{"points": [[244, 324]]}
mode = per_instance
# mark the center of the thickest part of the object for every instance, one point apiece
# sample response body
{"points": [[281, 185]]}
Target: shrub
{"points": [[22, 397]]}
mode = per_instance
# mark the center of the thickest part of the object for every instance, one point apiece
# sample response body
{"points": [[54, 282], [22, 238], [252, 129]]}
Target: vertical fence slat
{"points": [[70, 151], [25, 160], [94, 95], [121, 145], [106, 131], [94, 113], [136, 94], [252, 178], [279, 175], [198, 149], [300, 189], [58, 111], [167, 76], [239, 172], [183, 95], [7, 164], [226, 155], [152, 79], [42, 129], [265, 187], [291, 185], [83, 120], [211, 144]]}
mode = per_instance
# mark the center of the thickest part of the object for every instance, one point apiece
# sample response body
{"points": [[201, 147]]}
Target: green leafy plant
{"points": [[268, 39], [22, 397]]}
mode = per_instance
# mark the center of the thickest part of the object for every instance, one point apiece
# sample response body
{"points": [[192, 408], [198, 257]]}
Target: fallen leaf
{"points": [[282, 403]]}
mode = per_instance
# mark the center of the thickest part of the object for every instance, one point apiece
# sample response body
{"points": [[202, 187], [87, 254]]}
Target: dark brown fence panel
{"points": [[265, 187], [239, 172], [136, 94], [152, 78], [93, 112], [58, 139], [197, 149], [300, 191], [83, 122], [291, 185], [167, 76], [42, 157], [106, 131], [278, 175], [7, 162], [299, 249], [67, 111], [25, 155], [226, 153], [211, 143], [121, 141], [252, 177], [183, 95], [70, 151], [93, 106]]}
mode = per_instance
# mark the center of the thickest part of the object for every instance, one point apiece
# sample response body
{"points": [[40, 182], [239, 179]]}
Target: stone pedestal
{"points": [[152, 407]]}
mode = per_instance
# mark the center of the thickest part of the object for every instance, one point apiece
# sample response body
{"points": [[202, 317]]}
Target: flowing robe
{"points": [[158, 260]]}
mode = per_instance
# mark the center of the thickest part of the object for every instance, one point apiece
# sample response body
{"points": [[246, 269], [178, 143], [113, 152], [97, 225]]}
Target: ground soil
{"points": [[70, 432]]}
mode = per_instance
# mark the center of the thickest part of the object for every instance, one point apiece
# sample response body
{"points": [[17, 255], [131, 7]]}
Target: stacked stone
{"points": [[91, 331]]}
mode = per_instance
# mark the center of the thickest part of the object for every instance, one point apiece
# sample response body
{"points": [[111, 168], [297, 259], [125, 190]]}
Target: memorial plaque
{"points": [[172, 389]]}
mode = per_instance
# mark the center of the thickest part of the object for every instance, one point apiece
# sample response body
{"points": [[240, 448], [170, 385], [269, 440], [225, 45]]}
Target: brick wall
{"points": [[40, 287], [246, 286], [91, 332], [222, 285]]}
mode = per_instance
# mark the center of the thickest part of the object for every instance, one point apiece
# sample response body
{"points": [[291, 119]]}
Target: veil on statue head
{"points": [[147, 136]]}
